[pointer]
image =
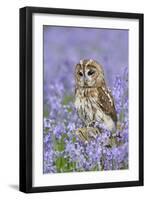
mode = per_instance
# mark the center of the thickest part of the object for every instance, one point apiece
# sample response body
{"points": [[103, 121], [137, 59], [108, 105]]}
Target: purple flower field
{"points": [[63, 48]]}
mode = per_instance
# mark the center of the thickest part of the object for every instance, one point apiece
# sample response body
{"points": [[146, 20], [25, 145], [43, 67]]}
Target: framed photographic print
{"points": [[81, 99]]}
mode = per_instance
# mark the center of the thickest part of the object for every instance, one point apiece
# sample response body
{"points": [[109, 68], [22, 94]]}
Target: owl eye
{"points": [[91, 72], [80, 73]]}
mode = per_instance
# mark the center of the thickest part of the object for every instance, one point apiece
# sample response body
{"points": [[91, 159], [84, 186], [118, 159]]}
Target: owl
{"points": [[93, 100]]}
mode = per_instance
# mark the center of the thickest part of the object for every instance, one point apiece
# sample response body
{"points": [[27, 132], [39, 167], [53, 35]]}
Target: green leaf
{"points": [[46, 130], [67, 99], [58, 164], [45, 110], [74, 139], [95, 168], [59, 144], [121, 116]]}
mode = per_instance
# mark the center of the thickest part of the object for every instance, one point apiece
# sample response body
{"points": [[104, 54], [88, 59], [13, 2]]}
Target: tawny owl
{"points": [[93, 100]]}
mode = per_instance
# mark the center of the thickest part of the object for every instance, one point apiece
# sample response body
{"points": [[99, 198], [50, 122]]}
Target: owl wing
{"points": [[106, 102]]}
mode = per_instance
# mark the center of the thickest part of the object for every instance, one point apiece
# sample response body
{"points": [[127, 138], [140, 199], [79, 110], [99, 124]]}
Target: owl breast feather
{"points": [[89, 110], [85, 103]]}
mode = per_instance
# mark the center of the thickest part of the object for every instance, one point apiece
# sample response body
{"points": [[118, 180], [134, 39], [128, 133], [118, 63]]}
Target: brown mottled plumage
{"points": [[93, 100]]}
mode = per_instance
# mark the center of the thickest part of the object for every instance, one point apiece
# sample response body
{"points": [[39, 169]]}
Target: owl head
{"points": [[89, 73]]}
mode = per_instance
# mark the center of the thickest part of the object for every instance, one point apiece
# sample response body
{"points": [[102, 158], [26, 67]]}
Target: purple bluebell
{"points": [[63, 151]]}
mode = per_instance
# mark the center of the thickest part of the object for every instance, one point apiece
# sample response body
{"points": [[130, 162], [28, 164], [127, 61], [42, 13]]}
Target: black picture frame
{"points": [[26, 90]]}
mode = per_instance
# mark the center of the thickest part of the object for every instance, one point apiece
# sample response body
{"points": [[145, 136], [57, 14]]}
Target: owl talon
{"points": [[88, 133], [91, 124], [82, 134]]}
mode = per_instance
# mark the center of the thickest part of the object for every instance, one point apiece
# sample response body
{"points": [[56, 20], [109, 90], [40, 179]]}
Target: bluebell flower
{"points": [[63, 151]]}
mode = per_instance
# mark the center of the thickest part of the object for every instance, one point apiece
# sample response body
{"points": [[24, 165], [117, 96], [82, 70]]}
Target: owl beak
{"points": [[85, 81]]}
